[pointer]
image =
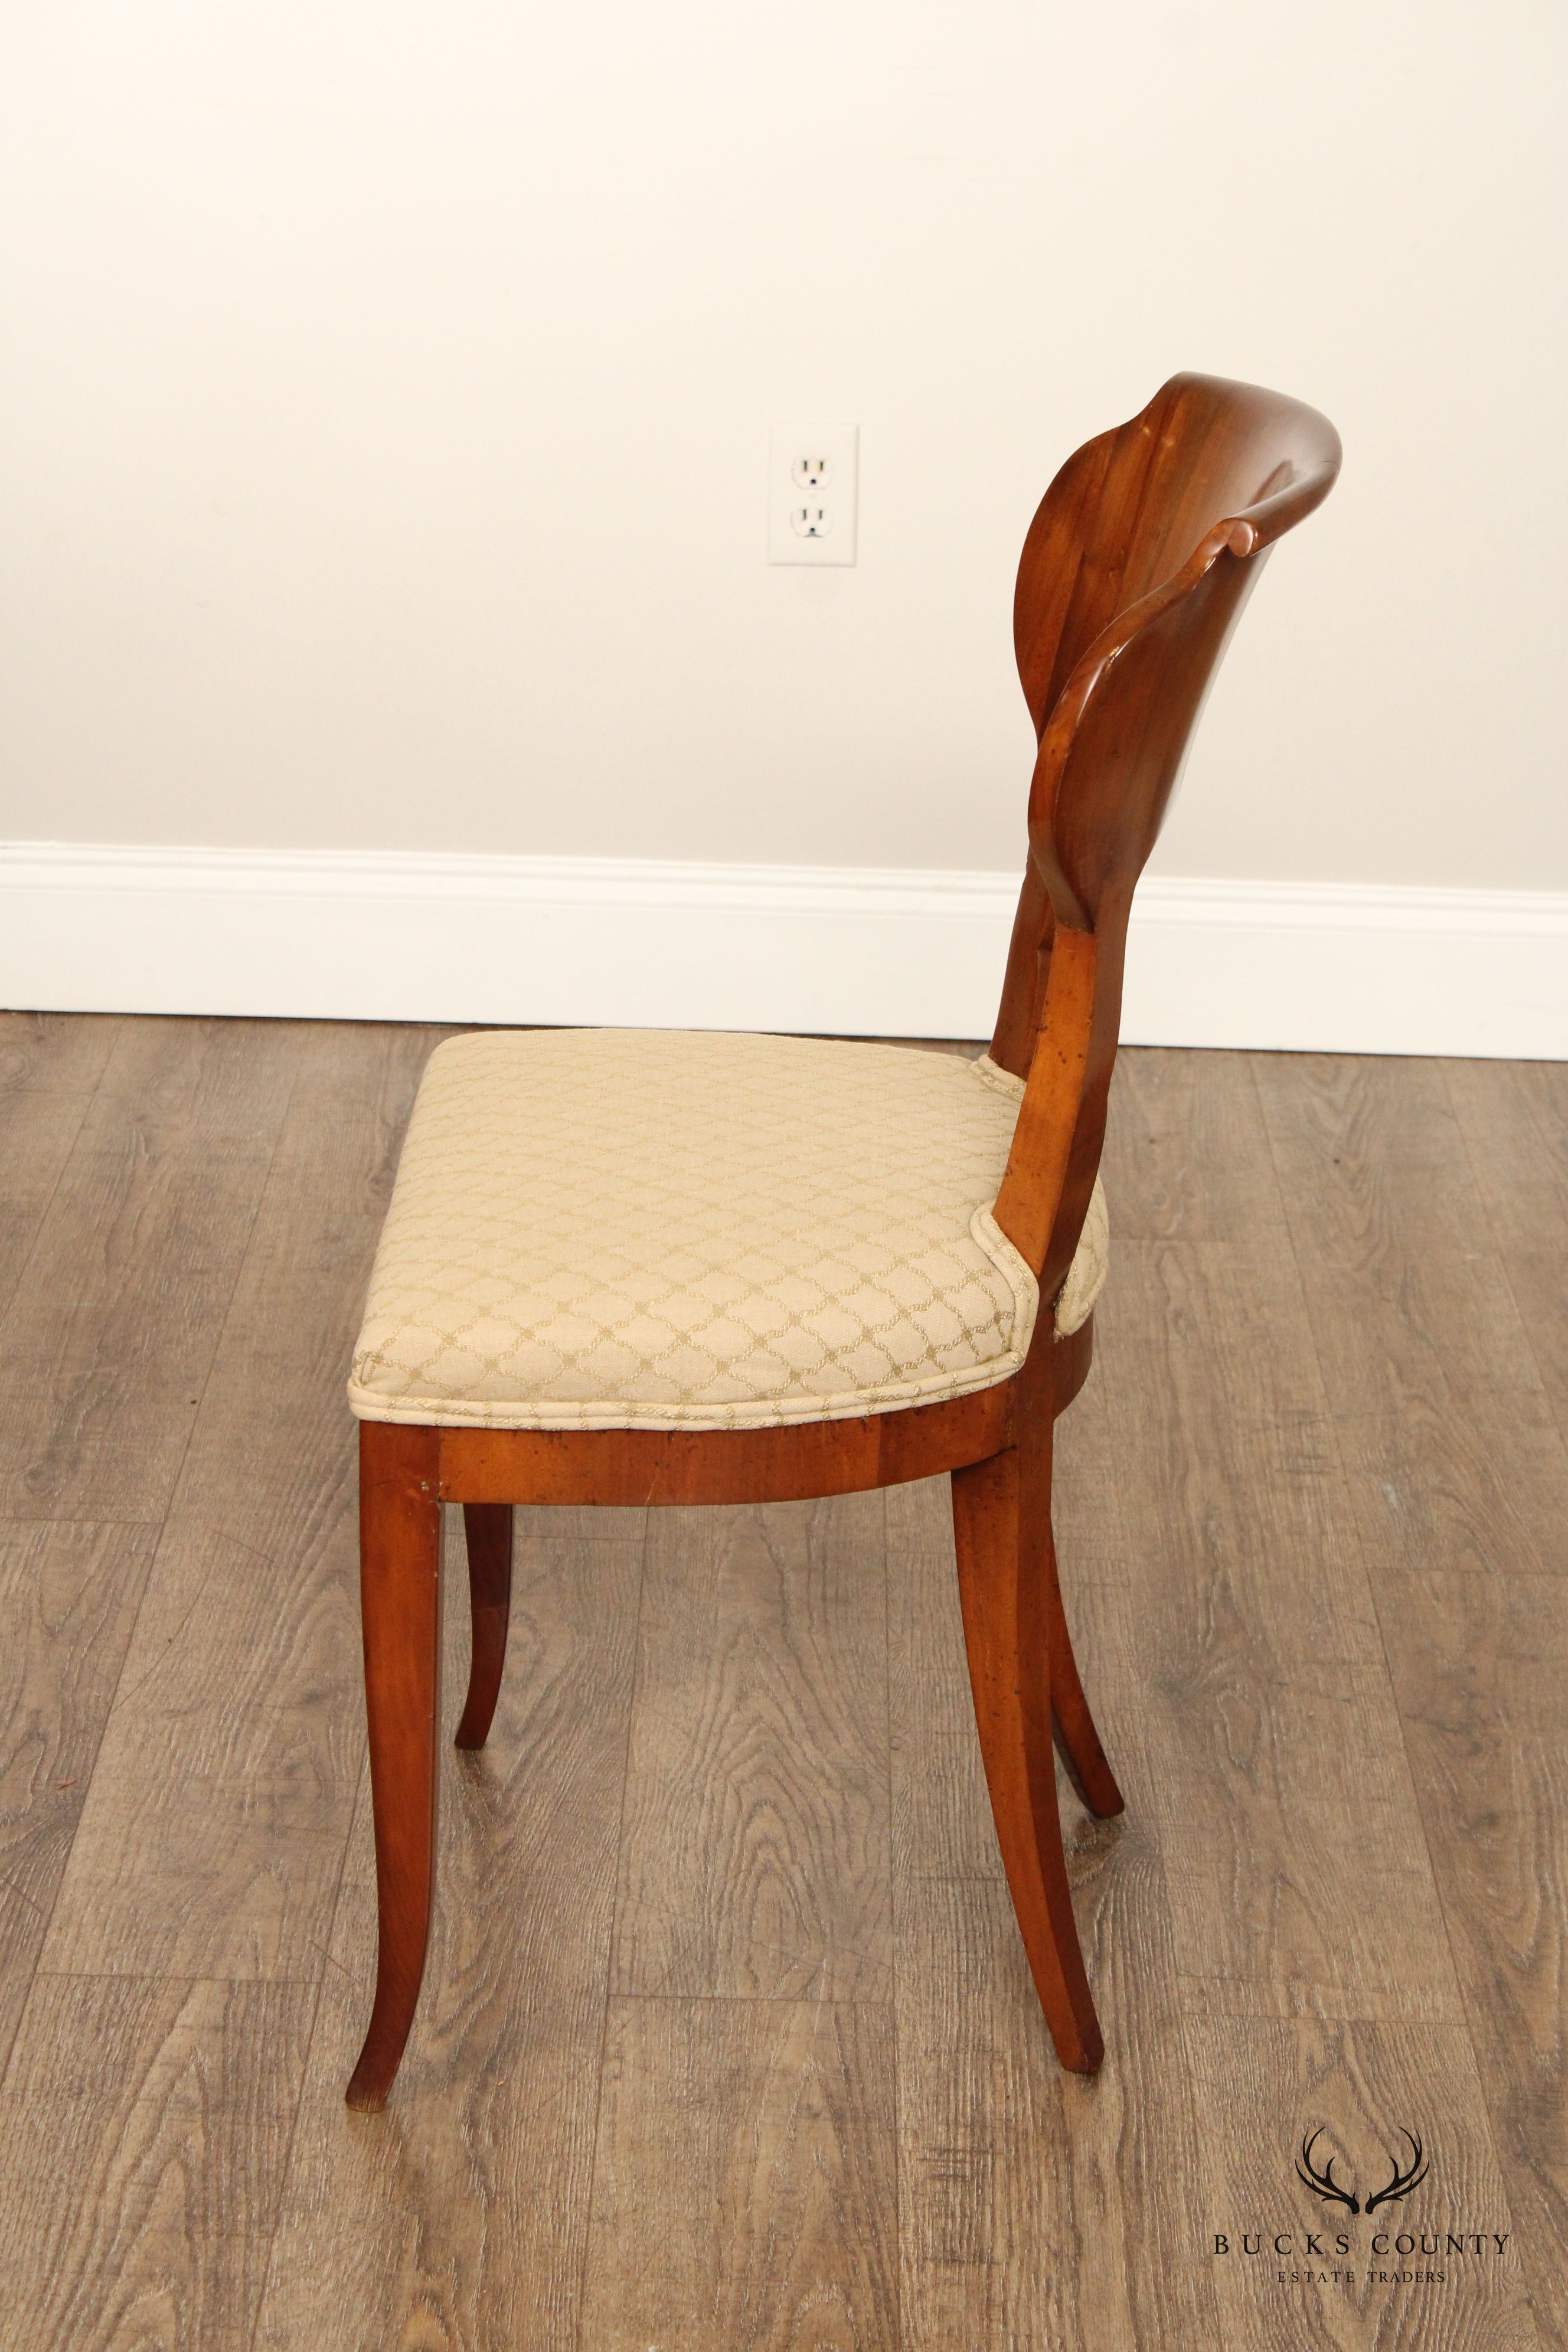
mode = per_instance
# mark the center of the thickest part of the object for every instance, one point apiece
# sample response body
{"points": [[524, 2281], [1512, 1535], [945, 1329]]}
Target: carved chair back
{"points": [[1136, 567]]}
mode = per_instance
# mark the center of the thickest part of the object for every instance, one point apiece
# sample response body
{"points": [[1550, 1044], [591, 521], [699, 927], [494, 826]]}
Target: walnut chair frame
{"points": [[1134, 573]]}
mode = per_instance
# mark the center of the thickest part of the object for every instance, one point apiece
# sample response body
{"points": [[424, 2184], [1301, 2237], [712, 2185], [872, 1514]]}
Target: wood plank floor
{"points": [[728, 2039]]}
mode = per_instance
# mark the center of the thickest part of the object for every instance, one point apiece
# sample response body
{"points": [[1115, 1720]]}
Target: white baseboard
{"points": [[411, 936], [1348, 968]]}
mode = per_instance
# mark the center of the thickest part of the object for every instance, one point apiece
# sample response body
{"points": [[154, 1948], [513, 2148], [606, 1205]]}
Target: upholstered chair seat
{"points": [[615, 1229]]}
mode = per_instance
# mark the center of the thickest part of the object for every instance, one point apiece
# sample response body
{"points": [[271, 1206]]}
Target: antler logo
{"points": [[1401, 2183], [1323, 2184]]}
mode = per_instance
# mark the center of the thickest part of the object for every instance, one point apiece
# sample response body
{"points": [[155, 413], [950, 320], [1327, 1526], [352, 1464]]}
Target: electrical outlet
{"points": [[812, 472]]}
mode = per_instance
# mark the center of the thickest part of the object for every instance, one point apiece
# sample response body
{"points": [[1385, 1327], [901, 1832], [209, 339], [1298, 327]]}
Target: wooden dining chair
{"points": [[632, 1267]]}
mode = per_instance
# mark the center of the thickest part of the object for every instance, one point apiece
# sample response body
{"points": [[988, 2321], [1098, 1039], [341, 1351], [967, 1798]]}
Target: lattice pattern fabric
{"points": [[609, 1229]]}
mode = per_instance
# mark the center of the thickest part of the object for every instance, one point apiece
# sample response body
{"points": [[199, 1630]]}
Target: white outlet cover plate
{"points": [[813, 469]]}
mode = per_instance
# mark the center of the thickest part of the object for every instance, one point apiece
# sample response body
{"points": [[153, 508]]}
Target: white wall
{"points": [[385, 416]]}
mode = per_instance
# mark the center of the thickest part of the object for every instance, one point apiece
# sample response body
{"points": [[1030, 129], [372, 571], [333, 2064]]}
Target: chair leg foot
{"points": [[488, 1528], [400, 1594], [1006, 1627], [1072, 1725]]}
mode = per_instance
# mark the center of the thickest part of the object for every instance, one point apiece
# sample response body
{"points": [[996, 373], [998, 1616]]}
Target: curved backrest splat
{"points": [[1134, 572]]}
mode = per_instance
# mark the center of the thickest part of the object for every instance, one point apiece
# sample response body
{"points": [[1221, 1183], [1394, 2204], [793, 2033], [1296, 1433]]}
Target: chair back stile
{"points": [[1134, 574]]}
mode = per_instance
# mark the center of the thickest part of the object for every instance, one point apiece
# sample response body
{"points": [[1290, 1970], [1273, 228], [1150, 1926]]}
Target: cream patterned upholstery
{"points": [[609, 1229]]}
